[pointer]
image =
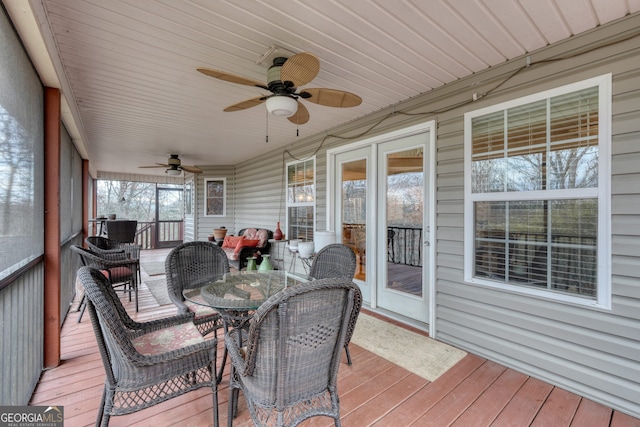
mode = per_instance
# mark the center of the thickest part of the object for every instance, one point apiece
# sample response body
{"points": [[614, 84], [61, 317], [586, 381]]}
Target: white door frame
{"points": [[429, 126]]}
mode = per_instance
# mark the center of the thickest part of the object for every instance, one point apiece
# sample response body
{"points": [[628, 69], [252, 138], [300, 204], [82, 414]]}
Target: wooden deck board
{"points": [[373, 391]]}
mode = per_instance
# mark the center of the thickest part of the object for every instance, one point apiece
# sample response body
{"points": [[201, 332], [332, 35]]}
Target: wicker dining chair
{"points": [[112, 249], [337, 260], [287, 362], [123, 272], [193, 265], [145, 363]]}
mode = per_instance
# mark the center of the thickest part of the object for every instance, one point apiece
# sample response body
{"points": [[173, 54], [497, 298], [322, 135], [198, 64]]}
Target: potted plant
{"points": [[219, 233]]}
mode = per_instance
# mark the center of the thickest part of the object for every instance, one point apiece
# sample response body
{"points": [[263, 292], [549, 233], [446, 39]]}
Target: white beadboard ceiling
{"points": [[127, 68]]}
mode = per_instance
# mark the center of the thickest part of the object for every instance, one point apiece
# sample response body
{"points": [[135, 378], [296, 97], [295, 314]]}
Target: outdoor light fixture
{"points": [[282, 106]]}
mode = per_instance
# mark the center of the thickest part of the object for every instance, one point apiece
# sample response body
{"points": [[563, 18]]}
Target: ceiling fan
{"points": [[284, 78], [174, 166]]}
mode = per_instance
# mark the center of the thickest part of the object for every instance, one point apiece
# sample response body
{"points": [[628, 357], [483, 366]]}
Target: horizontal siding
{"points": [[595, 353]]}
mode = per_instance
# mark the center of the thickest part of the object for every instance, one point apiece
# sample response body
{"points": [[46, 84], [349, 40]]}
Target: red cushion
{"points": [[120, 274], [252, 243], [239, 245], [231, 241]]}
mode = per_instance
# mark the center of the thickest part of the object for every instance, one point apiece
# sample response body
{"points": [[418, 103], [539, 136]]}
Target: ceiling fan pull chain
{"points": [[267, 135]]}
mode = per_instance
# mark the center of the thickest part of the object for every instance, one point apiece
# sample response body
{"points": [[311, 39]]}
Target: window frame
{"points": [[602, 193], [303, 204], [206, 198]]}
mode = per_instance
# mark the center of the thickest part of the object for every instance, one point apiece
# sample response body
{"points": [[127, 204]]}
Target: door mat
{"points": [[416, 353], [153, 268], [158, 289]]}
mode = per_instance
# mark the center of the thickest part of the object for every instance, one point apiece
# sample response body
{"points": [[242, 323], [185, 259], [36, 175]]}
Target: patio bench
{"points": [[250, 242]]}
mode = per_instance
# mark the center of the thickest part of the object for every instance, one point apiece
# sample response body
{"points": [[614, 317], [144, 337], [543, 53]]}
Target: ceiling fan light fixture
{"points": [[173, 172], [282, 106]]}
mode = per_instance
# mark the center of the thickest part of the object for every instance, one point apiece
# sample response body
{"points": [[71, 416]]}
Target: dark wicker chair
{"points": [[122, 230], [122, 271], [337, 260], [287, 364], [192, 265], [142, 370]]}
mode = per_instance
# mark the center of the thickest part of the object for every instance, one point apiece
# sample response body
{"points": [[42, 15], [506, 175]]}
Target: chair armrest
{"points": [[236, 353], [142, 328]]}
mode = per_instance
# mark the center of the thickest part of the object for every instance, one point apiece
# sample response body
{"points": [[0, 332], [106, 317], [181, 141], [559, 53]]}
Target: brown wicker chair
{"points": [[192, 265], [337, 260], [287, 364], [122, 271], [141, 369]]}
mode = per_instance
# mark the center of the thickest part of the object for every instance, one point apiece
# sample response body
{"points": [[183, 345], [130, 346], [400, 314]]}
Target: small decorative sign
{"points": [[31, 416]]}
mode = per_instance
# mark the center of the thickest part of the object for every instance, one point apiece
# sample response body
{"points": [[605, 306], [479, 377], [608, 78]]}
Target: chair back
{"points": [[110, 321], [335, 260], [296, 338], [122, 230], [101, 243], [88, 258], [192, 265]]}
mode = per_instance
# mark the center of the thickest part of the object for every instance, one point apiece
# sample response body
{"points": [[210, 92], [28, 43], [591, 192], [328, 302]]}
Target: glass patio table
{"points": [[238, 294]]}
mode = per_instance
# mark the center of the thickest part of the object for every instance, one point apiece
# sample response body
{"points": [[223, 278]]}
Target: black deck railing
{"points": [[404, 244]]}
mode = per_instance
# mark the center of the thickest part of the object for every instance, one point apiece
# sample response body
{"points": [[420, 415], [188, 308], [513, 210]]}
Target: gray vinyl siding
{"points": [[595, 353]]}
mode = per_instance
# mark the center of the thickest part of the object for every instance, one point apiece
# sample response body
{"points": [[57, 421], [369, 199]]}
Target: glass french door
{"points": [[382, 212], [403, 227]]}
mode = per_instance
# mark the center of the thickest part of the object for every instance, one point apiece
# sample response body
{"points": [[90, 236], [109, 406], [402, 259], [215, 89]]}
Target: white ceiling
{"points": [[127, 68]]}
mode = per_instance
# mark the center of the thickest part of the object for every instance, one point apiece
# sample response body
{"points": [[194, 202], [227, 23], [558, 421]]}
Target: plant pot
{"points": [[305, 249], [219, 233]]}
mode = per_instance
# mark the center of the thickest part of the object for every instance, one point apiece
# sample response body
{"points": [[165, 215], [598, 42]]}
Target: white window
{"points": [[537, 194], [301, 200], [215, 196]]}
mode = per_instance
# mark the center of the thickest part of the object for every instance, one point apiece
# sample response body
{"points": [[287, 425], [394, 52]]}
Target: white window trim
{"points": [[300, 204], [224, 196], [603, 193]]}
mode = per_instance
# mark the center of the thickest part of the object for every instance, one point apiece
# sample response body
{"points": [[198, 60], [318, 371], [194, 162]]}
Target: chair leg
{"points": [[102, 420], [81, 307], [216, 421], [346, 350], [233, 402]]}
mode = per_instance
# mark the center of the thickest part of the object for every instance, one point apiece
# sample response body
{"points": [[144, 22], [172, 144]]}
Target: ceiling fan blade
{"points": [[245, 104], [192, 169], [300, 69], [301, 116], [333, 97], [231, 78], [158, 165]]}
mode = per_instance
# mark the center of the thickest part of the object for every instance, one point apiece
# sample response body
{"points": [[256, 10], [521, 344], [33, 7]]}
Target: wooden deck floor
{"points": [[373, 391]]}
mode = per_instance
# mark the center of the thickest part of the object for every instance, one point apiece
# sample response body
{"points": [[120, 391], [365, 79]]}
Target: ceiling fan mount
{"points": [[174, 166], [284, 77]]}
